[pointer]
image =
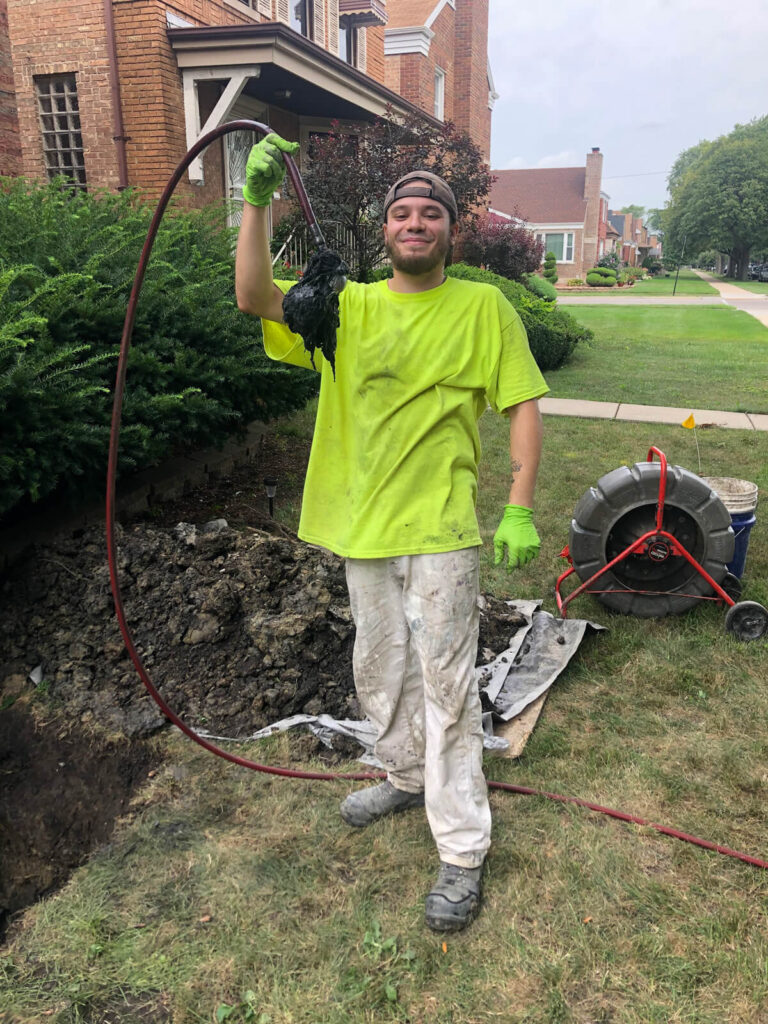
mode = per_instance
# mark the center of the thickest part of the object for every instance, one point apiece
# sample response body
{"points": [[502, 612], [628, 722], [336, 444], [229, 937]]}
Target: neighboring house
{"points": [[636, 242], [612, 238], [563, 206], [113, 93]]}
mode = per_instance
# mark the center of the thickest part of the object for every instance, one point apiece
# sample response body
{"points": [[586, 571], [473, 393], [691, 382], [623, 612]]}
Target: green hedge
{"points": [[600, 280], [544, 289], [552, 333], [197, 373]]}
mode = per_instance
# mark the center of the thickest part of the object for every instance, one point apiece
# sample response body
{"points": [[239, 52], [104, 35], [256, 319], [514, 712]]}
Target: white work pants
{"points": [[415, 650]]}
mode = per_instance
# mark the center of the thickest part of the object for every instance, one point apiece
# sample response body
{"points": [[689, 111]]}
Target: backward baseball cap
{"points": [[436, 188]]}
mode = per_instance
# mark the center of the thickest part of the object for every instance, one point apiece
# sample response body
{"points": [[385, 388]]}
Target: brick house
{"points": [[636, 242], [113, 92], [563, 206]]}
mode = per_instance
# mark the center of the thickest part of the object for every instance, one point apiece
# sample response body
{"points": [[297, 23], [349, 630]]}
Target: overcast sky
{"points": [[642, 80]]}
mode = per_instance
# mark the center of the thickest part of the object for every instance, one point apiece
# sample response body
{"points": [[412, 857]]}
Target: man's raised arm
{"points": [[255, 290]]}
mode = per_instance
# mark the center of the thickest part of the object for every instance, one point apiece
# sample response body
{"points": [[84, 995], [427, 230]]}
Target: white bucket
{"points": [[736, 495]]}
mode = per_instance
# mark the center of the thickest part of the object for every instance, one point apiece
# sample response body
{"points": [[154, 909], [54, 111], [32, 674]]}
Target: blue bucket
{"points": [[741, 523], [740, 499]]}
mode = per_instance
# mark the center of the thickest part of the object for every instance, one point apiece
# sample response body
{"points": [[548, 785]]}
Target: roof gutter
{"points": [[118, 129]]}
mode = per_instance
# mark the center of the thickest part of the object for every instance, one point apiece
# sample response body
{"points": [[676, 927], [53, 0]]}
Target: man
{"points": [[391, 486]]}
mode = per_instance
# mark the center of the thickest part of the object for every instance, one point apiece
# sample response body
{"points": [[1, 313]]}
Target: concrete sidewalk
{"points": [[651, 413], [732, 295], [748, 302], [728, 294]]}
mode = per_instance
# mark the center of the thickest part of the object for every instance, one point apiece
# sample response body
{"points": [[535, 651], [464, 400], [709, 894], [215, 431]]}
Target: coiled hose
{"points": [[114, 441]]}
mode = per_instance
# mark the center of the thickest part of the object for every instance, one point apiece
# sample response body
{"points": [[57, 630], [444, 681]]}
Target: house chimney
{"points": [[593, 174]]}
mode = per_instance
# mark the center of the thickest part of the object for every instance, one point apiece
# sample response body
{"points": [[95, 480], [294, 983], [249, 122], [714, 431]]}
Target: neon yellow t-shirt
{"points": [[393, 466]]}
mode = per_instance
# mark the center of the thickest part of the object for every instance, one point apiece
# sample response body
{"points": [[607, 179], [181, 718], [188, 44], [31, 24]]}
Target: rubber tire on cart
{"points": [[609, 517], [747, 620]]}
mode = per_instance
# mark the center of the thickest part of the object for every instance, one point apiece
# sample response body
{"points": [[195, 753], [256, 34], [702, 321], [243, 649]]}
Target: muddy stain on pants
{"points": [[415, 650]]}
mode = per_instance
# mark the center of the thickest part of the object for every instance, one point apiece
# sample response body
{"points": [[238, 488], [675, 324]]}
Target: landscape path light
{"points": [[270, 485]]}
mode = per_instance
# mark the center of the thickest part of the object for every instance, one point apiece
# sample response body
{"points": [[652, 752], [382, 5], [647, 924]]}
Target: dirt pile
{"points": [[237, 628]]}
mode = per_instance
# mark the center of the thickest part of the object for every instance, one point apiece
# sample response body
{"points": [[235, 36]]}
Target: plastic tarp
{"points": [[527, 668]]}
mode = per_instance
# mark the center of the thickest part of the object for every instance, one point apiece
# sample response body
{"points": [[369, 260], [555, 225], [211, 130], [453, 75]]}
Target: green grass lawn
{"points": [[758, 287], [688, 284], [712, 357], [228, 895]]}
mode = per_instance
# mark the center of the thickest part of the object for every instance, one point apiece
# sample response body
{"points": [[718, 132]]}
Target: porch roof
{"points": [[293, 72]]}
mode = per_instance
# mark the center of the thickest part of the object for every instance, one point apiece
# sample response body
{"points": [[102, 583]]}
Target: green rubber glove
{"points": [[265, 169], [518, 535]]}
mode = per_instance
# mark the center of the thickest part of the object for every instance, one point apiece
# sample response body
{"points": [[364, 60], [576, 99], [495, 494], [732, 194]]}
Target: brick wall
{"points": [[152, 98], [375, 66], [441, 55], [53, 38], [10, 144], [470, 88]]}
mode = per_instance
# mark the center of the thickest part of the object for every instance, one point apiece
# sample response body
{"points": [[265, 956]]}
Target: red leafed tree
{"points": [[348, 171], [505, 248]]}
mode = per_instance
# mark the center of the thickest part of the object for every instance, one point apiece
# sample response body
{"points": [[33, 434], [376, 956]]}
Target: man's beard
{"points": [[420, 263]]}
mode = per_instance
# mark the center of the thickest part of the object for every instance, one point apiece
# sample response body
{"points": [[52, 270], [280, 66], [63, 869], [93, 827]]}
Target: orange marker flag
{"points": [[689, 423]]}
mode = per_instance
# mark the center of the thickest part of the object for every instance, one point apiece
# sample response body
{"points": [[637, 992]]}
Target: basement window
{"points": [[59, 115]]}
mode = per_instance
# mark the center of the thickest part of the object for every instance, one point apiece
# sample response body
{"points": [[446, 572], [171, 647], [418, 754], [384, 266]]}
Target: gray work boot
{"points": [[455, 898], [372, 803]]}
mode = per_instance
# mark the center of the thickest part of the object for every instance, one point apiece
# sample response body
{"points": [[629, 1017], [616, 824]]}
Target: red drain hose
{"points": [[114, 441]]}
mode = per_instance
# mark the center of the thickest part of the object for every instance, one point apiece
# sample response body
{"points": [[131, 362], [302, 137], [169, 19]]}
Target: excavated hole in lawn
{"points": [[239, 624], [61, 790]]}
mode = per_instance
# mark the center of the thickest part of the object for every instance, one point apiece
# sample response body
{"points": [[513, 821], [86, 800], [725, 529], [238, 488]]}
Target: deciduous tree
{"points": [[720, 196], [507, 248], [350, 169]]}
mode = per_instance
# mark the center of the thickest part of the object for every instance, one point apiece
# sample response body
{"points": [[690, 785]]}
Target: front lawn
{"points": [[707, 357], [758, 287], [689, 283], [231, 896]]}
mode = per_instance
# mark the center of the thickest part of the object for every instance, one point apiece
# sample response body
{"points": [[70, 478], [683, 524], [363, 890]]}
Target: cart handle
{"points": [[653, 450]]}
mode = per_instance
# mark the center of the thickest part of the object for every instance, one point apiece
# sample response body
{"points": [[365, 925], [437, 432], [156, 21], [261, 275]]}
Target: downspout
{"points": [[118, 130]]}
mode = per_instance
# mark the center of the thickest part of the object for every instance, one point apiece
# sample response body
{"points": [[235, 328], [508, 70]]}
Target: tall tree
{"points": [[720, 196], [350, 170], [636, 211]]}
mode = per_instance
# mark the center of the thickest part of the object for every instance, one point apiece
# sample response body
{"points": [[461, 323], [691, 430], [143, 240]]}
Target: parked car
{"points": [[762, 274], [753, 270]]}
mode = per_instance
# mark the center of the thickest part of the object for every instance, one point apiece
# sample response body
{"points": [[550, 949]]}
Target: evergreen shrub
{"points": [[539, 286], [596, 280], [197, 373], [550, 267], [552, 333]]}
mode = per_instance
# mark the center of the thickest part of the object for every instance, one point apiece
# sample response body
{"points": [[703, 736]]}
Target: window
{"points": [[59, 115], [348, 47], [560, 243], [439, 94], [301, 16]]}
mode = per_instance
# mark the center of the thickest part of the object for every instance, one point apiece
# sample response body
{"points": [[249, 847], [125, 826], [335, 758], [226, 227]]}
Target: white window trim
{"points": [[439, 93], [541, 234]]}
